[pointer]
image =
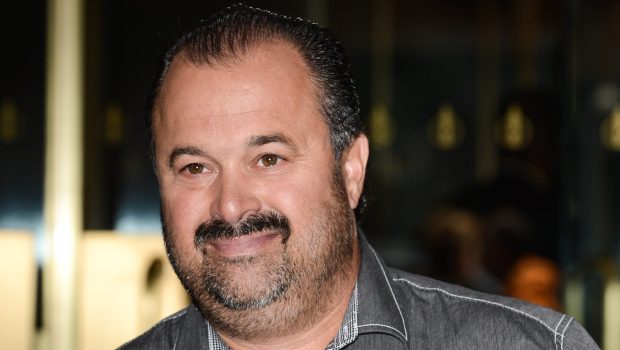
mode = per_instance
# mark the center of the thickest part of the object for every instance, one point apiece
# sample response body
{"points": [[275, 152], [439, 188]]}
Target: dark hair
{"points": [[230, 33]]}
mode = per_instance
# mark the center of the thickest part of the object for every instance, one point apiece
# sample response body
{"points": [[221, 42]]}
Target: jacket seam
{"points": [[488, 302], [393, 297], [381, 325], [555, 336], [564, 331]]}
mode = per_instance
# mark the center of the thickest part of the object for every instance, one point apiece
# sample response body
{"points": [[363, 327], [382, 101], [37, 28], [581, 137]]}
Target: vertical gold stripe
{"points": [[382, 42], [527, 14], [487, 90], [63, 170], [574, 298], [611, 314]]}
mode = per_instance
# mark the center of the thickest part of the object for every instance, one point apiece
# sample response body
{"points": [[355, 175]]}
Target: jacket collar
{"points": [[373, 308], [379, 310]]}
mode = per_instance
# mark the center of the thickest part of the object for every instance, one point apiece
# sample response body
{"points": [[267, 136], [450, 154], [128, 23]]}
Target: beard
{"points": [[273, 274], [278, 292]]}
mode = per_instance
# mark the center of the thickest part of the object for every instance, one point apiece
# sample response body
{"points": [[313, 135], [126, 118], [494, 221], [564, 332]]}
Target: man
{"points": [[261, 160]]}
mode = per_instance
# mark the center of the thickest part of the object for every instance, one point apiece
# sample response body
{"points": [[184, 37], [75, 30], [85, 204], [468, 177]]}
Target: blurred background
{"points": [[495, 133]]}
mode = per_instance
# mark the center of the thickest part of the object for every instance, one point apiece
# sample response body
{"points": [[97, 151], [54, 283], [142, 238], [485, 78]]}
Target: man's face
{"points": [[256, 212]]}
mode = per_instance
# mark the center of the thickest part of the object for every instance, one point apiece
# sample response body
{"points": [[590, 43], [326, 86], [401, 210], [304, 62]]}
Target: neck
{"points": [[321, 331]]}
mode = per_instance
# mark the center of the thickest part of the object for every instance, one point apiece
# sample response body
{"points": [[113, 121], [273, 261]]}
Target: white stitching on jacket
{"points": [[564, 331], [555, 336], [380, 325], [477, 300], [393, 296]]}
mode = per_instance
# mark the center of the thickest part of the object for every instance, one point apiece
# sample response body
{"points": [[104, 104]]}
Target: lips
{"points": [[250, 236], [246, 245]]}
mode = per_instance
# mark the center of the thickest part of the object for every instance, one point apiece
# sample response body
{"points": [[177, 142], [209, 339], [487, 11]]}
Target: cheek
{"points": [[184, 212], [299, 200]]}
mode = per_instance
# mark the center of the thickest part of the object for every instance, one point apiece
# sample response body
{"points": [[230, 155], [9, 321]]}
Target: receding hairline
{"points": [[230, 60]]}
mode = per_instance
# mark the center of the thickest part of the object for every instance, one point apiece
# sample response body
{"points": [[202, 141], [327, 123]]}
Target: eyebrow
{"points": [[259, 140], [179, 151]]}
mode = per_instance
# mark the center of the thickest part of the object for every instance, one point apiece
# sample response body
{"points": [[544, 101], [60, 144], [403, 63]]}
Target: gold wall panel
{"points": [[125, 285], [17, 292]]}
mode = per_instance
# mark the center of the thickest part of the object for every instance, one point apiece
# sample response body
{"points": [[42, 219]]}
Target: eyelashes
{"points": [[267, 160]]}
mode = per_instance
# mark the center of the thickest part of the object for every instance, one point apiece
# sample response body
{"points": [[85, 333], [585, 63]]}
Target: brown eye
{"points": [[195, 168], [269, 160]]}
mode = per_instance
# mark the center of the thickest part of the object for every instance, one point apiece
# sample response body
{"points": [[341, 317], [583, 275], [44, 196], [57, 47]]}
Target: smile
{"points": [[251, 244]]}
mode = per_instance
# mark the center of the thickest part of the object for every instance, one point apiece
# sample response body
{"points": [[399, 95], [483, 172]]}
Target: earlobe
{"points": [[354, 167]]}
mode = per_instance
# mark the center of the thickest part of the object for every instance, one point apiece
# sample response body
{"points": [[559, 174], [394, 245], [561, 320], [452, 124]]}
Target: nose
{"points": [[233, 197]]}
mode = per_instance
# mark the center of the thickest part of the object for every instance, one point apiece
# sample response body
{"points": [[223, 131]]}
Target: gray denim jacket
{"points": [[392, 309]]}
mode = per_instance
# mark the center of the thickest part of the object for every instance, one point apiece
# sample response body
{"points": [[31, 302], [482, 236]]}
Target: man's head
{"points": [[261, 162], [227, 36]]}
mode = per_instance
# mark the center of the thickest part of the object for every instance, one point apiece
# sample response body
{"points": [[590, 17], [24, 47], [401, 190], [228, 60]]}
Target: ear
{"points": [[354, 168]]}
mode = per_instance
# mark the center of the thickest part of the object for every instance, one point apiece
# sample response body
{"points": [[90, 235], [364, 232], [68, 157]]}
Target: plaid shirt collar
{"points": [[346, 334], [372, 307]]}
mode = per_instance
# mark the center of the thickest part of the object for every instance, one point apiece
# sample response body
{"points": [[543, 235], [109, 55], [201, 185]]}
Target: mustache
{"points": [[219, 229]]}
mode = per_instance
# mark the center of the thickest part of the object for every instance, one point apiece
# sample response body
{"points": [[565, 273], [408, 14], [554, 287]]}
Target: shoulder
{"points": [[162, 335], [482, 318]]}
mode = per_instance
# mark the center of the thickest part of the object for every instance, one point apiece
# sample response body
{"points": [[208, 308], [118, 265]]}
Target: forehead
{"points": [[270, 77]]}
